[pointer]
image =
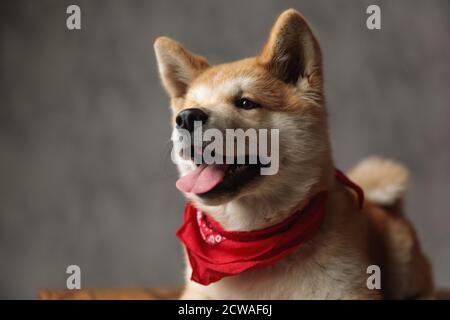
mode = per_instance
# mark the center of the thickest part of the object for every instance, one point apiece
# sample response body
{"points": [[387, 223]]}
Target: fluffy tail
{"points": [[384, 181]]}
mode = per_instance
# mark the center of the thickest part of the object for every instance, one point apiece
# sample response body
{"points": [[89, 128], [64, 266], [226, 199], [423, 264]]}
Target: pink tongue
{"points": [[203, 179]]}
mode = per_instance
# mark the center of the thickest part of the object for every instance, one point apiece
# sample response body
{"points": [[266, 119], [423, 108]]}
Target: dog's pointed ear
{"points": [[292, 52], [177, 66]]}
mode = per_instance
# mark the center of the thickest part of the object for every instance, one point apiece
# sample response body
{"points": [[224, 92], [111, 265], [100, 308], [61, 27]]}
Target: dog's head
{"points": [[281, 88]]}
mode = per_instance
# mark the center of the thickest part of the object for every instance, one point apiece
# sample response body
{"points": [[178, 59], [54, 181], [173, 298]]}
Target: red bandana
{"points": [[215, 253]]}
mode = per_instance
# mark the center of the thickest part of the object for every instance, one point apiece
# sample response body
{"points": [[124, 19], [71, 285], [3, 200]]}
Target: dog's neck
{"points": [[262, 210]]}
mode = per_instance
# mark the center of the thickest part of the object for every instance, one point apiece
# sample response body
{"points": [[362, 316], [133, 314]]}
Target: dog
{"points": [[282, 88]]}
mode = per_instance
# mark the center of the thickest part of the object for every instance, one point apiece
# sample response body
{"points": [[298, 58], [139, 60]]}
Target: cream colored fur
{"points": [[383, 181]]}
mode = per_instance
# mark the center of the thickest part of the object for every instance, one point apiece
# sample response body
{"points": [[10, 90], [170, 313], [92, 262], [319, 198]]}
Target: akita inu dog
{"points": [[300, 233]]}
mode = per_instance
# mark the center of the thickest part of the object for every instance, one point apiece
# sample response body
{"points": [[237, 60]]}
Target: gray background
{"points": [[85, 173]]}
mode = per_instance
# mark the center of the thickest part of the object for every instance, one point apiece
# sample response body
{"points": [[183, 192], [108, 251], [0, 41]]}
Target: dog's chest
{"points": [[296, 277]]}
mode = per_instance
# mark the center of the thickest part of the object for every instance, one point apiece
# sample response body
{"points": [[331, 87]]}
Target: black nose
{"points": [[186, 118]]}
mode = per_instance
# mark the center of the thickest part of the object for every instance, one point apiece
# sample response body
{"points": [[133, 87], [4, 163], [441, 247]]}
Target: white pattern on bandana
{"points": [[210, 236]]}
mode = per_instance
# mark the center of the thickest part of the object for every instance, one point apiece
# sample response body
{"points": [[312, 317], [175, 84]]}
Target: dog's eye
{"points": [[245, 103]]}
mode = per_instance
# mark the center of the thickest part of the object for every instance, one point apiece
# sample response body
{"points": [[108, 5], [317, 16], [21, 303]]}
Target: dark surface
{"points": [[86, 176]]}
